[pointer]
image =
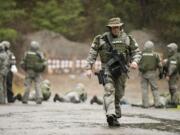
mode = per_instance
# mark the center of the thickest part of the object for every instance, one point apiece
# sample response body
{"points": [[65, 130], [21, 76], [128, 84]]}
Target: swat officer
{"points": [[3, 73], [45, 89], [77, 95], [121, 43], [33, 64], [11, 68], [148, 65], [173, 68]]}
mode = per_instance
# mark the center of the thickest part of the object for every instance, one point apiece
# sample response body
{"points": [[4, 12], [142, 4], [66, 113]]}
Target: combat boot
{"points": [[18, 97], [112, 121], [39, 101], [96, 100], [159, 106], [24, 102], [12, 100], [171, 105], [58, 98], [116, 123]]}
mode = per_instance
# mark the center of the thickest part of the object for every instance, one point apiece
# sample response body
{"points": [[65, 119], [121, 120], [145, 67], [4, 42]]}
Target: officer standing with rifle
{"points": [[116, 50]]}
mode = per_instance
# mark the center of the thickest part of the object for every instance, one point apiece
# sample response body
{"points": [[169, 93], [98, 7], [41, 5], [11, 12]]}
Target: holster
{"points": [[101, 77]]}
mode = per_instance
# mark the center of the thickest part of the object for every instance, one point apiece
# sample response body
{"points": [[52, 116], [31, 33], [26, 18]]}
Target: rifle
{"points": [[117, 65], [101, 77]]}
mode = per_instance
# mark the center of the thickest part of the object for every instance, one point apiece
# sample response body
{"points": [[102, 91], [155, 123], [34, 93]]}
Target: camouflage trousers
{"points": [[173, 80], [3, 92], [113, 92], [28, 83], [149, 78]]}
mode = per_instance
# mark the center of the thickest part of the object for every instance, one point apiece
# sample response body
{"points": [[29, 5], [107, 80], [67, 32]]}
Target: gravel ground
{"points": [[79, 119]]}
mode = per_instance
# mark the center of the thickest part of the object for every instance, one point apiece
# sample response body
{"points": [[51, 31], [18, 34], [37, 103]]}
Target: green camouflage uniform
{"points": [[33, 71], [172, 65], [114, 87], [77, 95], [3, 73], [148, 65], [11, 61], [45, 90]]}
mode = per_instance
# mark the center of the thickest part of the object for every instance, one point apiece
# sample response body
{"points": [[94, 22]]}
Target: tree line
{"points": [[74, 18]]}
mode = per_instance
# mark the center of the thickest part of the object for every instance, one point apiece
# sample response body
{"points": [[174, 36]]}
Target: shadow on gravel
{"points": [[164, 125]]}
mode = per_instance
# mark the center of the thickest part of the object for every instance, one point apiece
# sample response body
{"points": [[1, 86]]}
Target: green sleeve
{"points": [[134, 48], [93, 53]]}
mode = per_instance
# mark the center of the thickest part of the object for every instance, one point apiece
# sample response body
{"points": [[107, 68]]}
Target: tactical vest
{"points": [[148, 62], [33, 61], [118, 44]]}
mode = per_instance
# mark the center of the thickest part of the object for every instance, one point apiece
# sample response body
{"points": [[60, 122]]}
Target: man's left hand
{"points": [[134, 65]]}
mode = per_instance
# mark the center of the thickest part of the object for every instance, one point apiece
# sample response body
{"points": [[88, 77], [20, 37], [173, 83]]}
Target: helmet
{"points": [[149, 45], [172, 46], [34, 46], [172, 49], [114, 22], [6, 44]]}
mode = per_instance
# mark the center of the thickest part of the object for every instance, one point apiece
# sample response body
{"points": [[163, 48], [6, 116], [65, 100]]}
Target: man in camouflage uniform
{"points": [[77, 95], [33, 64], [45, 89], [11, 67], [148, 65], [3, 73], [165, 99], [173, 68], [114, 86]]}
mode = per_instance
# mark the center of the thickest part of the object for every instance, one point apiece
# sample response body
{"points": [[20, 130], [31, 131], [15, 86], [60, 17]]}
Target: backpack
{"points": [[33, 61]]}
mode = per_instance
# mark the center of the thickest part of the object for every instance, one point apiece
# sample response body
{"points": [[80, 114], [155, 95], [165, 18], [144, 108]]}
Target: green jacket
{"points": [[150, 61]]}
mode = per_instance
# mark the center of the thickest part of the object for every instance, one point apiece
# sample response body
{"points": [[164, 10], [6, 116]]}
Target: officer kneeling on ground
{"points": [[76, 95], [45, 89]]}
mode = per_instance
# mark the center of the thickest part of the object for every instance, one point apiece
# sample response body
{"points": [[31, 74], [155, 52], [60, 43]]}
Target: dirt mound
{"points": [[57, 46], [142, 36]]}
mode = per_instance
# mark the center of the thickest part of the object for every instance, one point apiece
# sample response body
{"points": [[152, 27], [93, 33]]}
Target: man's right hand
{"points": [[89, 73]]}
